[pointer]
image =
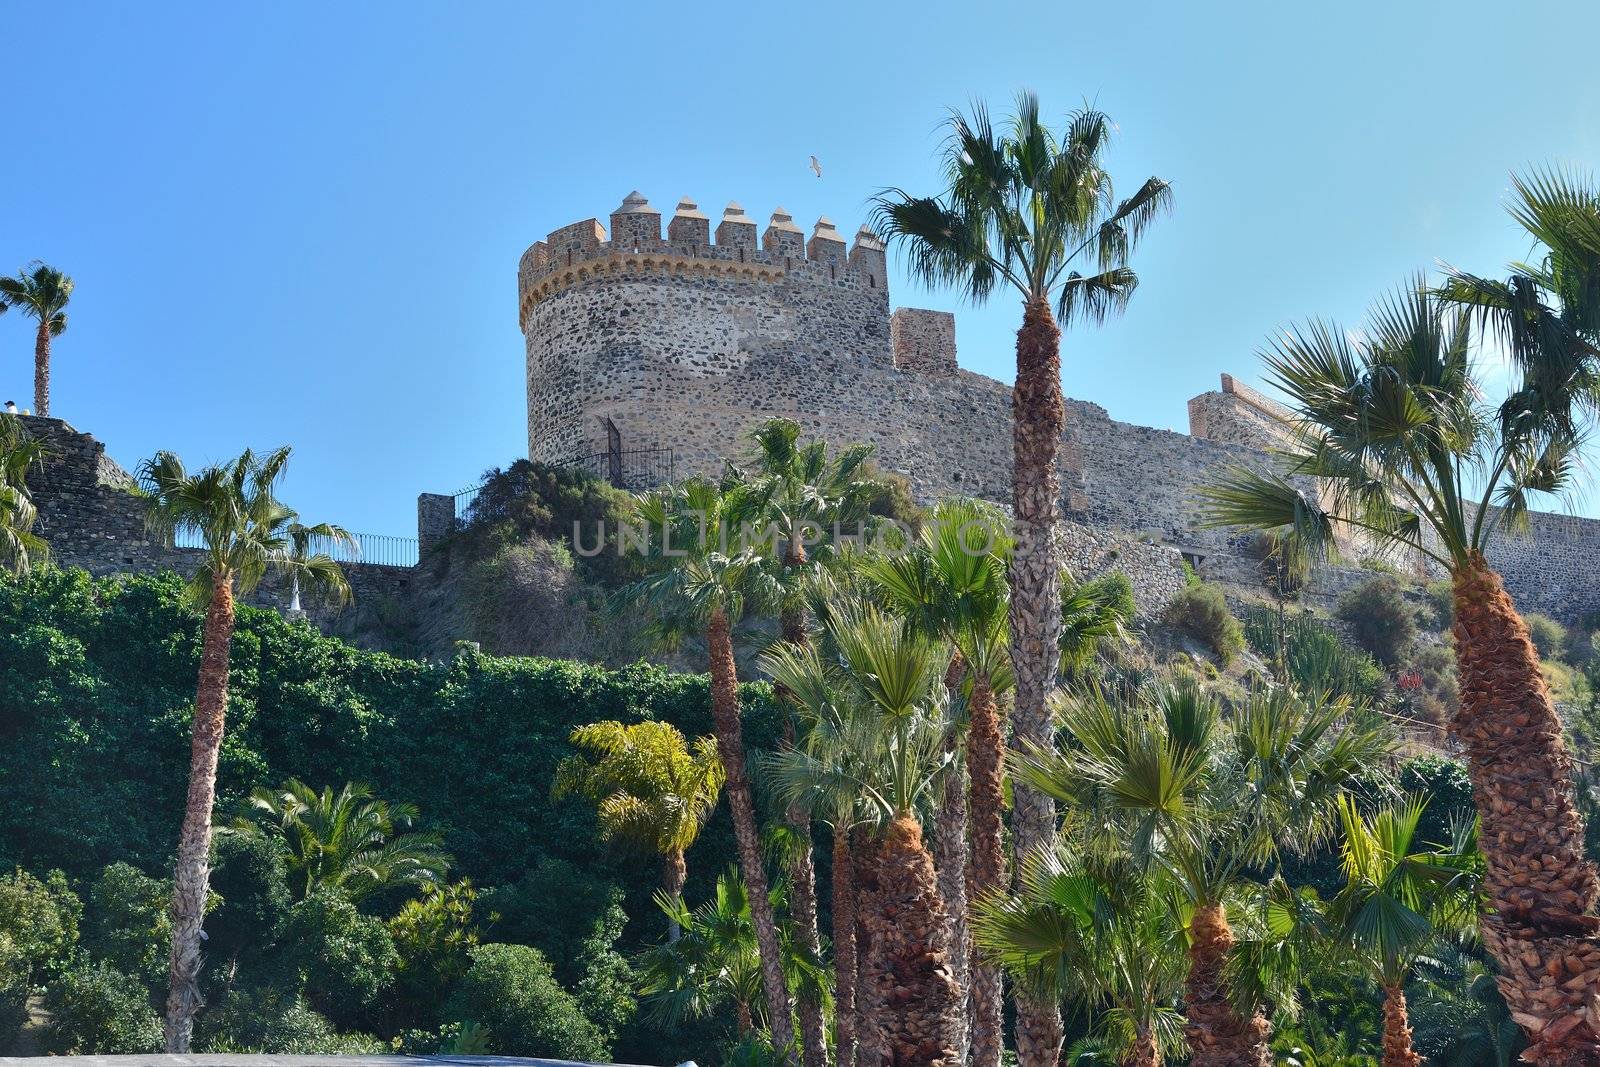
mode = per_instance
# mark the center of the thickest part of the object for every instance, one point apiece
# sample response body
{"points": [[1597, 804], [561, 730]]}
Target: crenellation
{"points": [[574, 242], [826, 246], [783, 238], [690, 230], [736, 230], [636, 225], [869, 259]]}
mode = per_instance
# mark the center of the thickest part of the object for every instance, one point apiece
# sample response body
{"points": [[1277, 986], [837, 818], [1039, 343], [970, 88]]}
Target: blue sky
{"points": [[295, 223]]}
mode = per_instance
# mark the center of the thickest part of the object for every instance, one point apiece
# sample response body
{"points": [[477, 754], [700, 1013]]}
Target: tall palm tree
{"points": [[1102, 931], [1035, 211], [311, 547], [652, 788], [1395, 904], [706, 574], [1393, 426], [878, 728], [951, 583], [42, 292], [806, 495], [235, 512], [1163, 774], [19, 453], [348, 842]]}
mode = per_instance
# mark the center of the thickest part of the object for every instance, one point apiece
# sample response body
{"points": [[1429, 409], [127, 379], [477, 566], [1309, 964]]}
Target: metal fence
{"points": [[383, 550]]}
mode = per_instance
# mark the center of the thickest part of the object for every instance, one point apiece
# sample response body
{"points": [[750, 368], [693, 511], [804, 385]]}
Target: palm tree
{"points": [[19, 453], [951, 582], [804, 495], [707, 573], [1461, 1018], [651, 788], [1094, 616], [1102, 931], [348, 842], [1395, 904], [311, 547], [235, 512], [1027, 209], [1166, 776], [878, 727], [1392, 425], [42, 292]]}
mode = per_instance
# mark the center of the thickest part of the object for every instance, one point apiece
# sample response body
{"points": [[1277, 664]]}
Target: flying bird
{"points": [[816, 166]]}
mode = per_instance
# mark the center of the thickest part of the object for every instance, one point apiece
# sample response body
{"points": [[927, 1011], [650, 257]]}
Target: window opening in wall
{"points": [[1193, 559]]}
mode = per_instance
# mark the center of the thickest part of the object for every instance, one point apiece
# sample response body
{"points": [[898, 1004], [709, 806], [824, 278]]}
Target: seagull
{"points": [[816, 166]]}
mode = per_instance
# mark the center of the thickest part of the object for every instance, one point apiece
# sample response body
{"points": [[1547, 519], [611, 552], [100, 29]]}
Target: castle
{"points": [[640, 342]]}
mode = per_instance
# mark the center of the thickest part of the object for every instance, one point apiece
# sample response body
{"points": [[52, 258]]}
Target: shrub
{"points": [[250, 878], [1548, 635], [340, 958], [511, 992], [434, 937], [265, 1021], [100, 1011], [525, 598], [40, 916], [1318, 661], [127, 924], [1445, 783], [1201, 612], [1380, 619], [1442, 598], [14, 990]]}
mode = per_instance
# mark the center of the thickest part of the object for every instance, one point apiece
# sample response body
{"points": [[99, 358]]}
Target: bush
{"points": [[265, 1021], [100, 1011], [1201, 612], [1318, 661], [40, 917], [251, 881], [1445, 783], [1442, 598], [511, 992], [340, 958], [1380, 619], [127, 924], [434, 937], [14, 991], [1548, 635]]}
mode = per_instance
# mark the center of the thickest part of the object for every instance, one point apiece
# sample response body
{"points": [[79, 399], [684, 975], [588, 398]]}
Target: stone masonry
{"points": [[686, 343]]}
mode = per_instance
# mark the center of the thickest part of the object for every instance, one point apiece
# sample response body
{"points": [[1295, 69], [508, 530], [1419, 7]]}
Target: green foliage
{"points": [[1380, 619], [127, 924], [1548, 635], [266, 1021], [14, 990], [97, 1010], [1094, 617], [605, 989], [511, 991], [339, 957], [249, 876], [1202, 612], [1442, 597], [40, 918], [1318, 661], [1445, 782], [20, 455], [433, 937]]}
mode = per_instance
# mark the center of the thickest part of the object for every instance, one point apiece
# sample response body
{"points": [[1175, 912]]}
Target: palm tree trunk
{"points": [[1038, 415], [1397, 1050], [674, 873], [844, 949], [1145, 1051], [952, 859], [1218, 1035], [741, 804], [912, 999], [41, 369], [1540, 924], [984, 756], [192, 876]]}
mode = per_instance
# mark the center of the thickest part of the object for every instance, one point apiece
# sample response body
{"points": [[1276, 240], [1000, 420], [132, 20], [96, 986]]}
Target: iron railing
{"points": [[383, 550]]}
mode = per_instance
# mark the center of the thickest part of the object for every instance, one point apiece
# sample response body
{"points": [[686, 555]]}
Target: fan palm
{"points": [[19, 453], [652, 788], [705, 574], [1102, 931], [1392, 425], [804, 495], [235, 512], [1094, 616], [1166, 776], [1395, 904], [951, 582], [311, 548], [876, 747], [42, 292], [1033, 211], [348, 842], [1461, 1018]]}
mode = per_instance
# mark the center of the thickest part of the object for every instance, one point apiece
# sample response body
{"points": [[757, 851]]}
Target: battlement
{"points": [[583, 251]]}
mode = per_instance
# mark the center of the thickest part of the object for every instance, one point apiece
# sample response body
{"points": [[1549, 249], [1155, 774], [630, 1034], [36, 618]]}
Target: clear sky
{"points": [[297, 223]]}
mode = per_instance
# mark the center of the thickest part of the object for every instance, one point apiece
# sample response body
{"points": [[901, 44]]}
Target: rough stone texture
{"points": [[689, 347]]}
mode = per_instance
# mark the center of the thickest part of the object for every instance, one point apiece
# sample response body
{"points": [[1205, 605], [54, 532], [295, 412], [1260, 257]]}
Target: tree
{"points": [[1102, 931], [706, 574], [41, 292], [651, 789], [1395, 904], [1027, 209], [235, 512], [952, 584], [1094, 616], [805, 494], [19, 453], [510, 991], [878, 724], [308, 545], [348, 842], [1393, 426], [1161, 773]]}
